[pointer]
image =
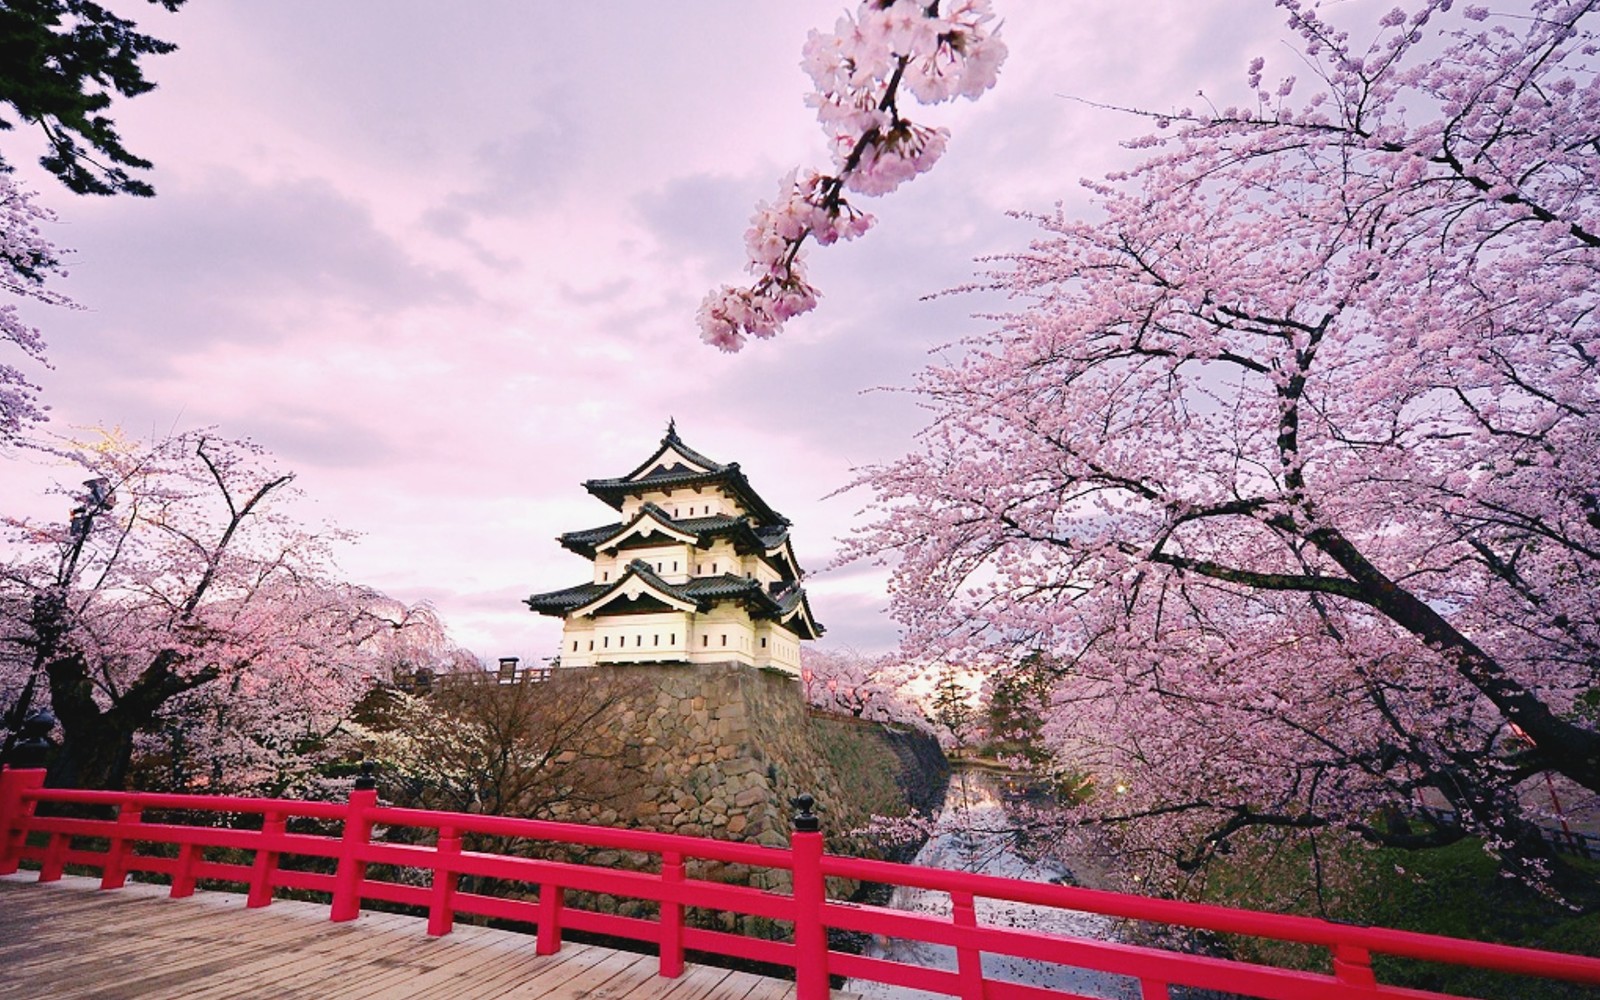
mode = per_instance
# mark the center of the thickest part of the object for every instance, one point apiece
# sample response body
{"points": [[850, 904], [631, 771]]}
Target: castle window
{"points": [[591, 645], [605, 576], [606, 641], [763, 642], [655, 640], [705, 640], [638, 640], [672, 640], [574, 645], [724, 638]]}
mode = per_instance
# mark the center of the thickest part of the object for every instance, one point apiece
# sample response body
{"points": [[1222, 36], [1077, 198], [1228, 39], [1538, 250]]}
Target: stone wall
{"points": [[725, 748]]}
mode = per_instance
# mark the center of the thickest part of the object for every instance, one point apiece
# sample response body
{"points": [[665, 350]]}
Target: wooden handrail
{"points": [[805, 908]]}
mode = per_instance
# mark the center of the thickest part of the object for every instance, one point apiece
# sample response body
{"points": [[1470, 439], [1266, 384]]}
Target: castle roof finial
{"points": [[672, 427]]}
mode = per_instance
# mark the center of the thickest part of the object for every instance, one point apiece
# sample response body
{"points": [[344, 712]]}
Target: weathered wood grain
{"points": [[68, 940]]}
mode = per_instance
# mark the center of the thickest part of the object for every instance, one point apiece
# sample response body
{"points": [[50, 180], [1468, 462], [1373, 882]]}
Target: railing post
{"points": [[15, 812], [671, 918], [552, 900], [969, 960], [357, 833], [115, 873], [1352, 965], [441, 907], [55, 858], [809, 892], [266, 862], [183, 882]]}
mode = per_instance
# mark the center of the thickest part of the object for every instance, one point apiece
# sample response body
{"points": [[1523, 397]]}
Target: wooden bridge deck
{"points": [[68, 939]]}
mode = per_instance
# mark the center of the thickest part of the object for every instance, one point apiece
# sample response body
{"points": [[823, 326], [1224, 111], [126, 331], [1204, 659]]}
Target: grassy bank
{"points": [[1455, 891]]}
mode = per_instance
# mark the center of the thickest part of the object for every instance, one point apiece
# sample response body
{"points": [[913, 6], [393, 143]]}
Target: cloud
{"points": [[327, 438], [704, 216], [230, 260], [445, 260], [526, 168], [854, 620]]}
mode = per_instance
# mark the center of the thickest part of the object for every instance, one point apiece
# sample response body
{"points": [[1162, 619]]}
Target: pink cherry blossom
{"points": [[27, 259], [181, 607], [858, 70], [1285, 461]]}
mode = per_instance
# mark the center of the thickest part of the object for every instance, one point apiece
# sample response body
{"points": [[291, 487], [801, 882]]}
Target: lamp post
{"points": [[33, 749], [47, 617]]}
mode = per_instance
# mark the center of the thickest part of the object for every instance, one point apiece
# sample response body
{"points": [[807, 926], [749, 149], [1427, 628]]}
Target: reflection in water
{"points": [[973, 834]]}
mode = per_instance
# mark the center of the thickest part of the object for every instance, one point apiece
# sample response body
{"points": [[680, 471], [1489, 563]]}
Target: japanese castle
{"points": [[698, 570]]}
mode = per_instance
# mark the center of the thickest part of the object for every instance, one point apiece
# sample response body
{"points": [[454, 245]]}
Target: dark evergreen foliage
{"points": [[61, 61]]}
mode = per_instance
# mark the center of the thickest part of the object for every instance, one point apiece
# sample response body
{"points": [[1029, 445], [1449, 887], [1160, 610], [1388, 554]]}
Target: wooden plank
{"points": [[782, 989], [581, 979], [413, 960], [66, 940], [736, 987], [219, 952], [486, 977], [507, 969], [108, 940], [696, 982], [246, 940], [320, 955]]}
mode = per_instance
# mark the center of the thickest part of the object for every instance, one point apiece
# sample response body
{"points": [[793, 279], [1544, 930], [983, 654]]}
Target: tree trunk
{"points": [[97, 744]]}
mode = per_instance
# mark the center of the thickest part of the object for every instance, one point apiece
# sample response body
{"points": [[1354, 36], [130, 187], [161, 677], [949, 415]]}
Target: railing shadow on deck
{"points": [[129, 843]]}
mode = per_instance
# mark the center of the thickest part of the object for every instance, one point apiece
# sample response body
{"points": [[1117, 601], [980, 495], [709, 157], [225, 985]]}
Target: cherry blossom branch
{"points": [[27, 258], [859, 71]]}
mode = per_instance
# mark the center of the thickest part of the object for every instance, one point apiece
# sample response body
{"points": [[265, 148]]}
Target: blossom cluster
{"points": [[1283, 464], [26, 259], [858, 70]]}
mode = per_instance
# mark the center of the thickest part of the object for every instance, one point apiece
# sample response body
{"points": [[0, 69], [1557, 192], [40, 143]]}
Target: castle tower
{"points": [[698, 570]]}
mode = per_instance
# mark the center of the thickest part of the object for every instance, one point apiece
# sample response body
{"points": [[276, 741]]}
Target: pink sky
{"points": [[443, 260]]}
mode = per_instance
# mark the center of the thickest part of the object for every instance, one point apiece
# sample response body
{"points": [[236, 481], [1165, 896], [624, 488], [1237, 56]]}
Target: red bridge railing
{"points": [[122, 845]]}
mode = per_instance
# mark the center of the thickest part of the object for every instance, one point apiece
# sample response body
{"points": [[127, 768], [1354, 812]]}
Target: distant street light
{"points": [[32, 749]]}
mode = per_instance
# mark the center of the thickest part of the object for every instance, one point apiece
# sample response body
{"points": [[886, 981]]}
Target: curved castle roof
{"points": [[641, 589], [763, 585], [677, 466]]}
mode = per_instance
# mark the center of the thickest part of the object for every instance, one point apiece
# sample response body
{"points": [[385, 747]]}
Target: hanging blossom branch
{"points": [[859, 71], [27, 259]]}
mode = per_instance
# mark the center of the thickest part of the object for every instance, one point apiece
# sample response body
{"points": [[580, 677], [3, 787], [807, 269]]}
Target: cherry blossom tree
{"points": [[281, 732], [1286, 460], [27, 259], [64, 61], [180, 605], [877, 688], [937, 51]]}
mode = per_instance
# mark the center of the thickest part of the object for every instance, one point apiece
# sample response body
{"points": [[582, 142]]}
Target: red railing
{"points": [[806, 909]]}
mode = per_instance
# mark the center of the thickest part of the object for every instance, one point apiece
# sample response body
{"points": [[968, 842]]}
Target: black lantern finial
{"points": [[805, 821]]}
